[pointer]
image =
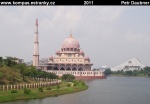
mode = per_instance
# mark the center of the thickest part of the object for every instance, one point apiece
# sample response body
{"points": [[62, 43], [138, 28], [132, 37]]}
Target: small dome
{"points": [[87, 58], [51, 57], [70, 42], [81, 52], [57, 51]]}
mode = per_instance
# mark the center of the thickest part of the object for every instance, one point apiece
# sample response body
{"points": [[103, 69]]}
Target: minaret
{"points": [[36, 47]]}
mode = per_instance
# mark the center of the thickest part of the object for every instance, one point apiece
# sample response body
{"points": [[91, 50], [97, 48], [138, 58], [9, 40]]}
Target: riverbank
{"points": [[63, 88], [112, 75]]}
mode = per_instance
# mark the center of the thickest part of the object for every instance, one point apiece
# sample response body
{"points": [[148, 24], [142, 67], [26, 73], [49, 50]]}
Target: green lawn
{"points": [[8, 96]]}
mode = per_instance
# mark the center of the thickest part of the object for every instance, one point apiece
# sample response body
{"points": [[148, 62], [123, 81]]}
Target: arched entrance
{"points": [[74, 67], [49, 68], [87, 67], [80, 67], [62, 67], [56, 67], [68, 67]]}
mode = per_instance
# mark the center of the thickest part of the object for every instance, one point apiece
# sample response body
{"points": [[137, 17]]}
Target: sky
{"points": [[109, 35]]}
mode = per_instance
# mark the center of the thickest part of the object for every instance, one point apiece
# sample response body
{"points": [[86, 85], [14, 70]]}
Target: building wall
{"points": [[78, 73], [70, 60]]}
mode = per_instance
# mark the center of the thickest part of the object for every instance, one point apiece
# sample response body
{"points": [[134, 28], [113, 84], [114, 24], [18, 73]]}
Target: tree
{"points": [[128, 73], [31, 71], [68, 77], [147, 69], [43, 74], [1, 61], [52, 76], [27, 90], [1, 76], [135, 72], [107, 72], [22, 68]]}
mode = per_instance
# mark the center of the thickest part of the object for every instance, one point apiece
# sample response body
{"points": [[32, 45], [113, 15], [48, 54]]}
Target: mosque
{"points": [[70, 59]]}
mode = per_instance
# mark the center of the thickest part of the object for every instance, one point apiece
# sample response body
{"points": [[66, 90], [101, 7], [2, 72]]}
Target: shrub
{"points": [[68, 85], [27, 91], [14, 91], [75, 83], [40, 89], [48, 88], [82, 83], [58, 86], [56, 95], [68, 77], [148, 74]]}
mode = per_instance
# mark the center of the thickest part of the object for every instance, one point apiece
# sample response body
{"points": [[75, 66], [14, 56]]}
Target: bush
{"points": [[75, 83], [68, 77], [56, 95], [14, 91], [148, 74], [58, 86], [129, 73], [83, 83], [107, 72], [40, 89], [27, 91], [68, 85], [48, 88]]}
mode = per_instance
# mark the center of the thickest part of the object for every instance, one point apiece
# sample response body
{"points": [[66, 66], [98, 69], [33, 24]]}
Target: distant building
{"points": [[19, 61], [43, 61], [103, 68], [15, 59], [29, 63], [130, 65]]}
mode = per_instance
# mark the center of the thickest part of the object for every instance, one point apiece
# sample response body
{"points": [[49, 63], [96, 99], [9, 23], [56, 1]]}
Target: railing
{"points": [[29, 85]]}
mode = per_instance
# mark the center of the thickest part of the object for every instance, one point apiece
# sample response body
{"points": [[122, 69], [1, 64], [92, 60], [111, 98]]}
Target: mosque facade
{"points": [[70, 59]]}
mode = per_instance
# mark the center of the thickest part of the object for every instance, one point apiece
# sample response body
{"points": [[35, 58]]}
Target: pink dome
{"points": [[51, 57], [70, 42], [57, 51], [81, 52], [87, 58]]}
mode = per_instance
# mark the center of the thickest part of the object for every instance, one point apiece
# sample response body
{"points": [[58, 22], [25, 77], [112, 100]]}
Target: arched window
{"points": [[62, 68], [68, 68], [74, 68], [56, 68]]}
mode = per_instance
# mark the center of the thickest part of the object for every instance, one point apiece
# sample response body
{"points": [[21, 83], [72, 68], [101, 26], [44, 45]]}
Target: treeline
{"points": [[143, 72], [12, 72]]}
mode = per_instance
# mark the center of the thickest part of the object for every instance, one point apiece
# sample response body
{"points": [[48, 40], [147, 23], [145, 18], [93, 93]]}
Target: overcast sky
{"points": [[109, 35]]}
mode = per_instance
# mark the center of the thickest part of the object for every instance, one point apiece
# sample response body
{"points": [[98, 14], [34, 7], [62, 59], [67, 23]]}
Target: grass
{"points": [[34, 94]]}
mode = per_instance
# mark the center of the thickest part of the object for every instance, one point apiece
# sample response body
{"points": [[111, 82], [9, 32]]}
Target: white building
{"points": [[130, 65]]}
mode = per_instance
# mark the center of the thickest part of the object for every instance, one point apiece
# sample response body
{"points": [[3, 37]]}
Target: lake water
{"points": [[113, 90]]}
